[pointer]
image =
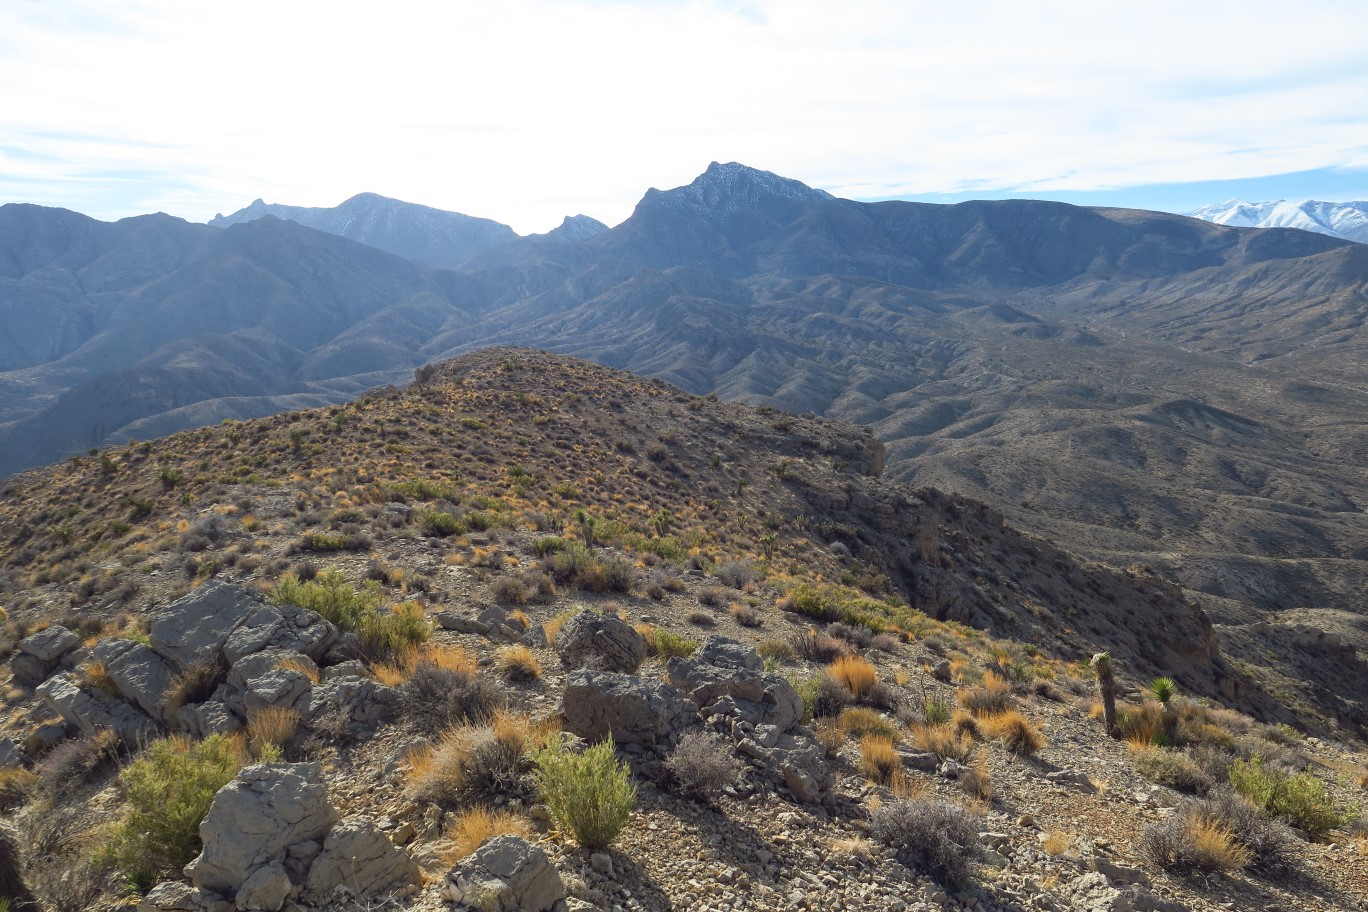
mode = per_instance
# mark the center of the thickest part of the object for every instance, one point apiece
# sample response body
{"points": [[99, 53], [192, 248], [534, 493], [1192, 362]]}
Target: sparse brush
{"points": [[443, 691], [746, 617], [1193, 842], [470, 765], [975, 780], [700, 619], [1015, 731], [15, 785], [854, 674], [992, 697], [879, 759], [272, 725], [930, 836], [194, 685], [780, 651], [509, 590], [1173, 769], [588, 795], [818, 647], [519, 664], [1301, 800], [1140, 725], [1056, 843], [860, 721], [704, 764], [944, 741], [473, 827]]}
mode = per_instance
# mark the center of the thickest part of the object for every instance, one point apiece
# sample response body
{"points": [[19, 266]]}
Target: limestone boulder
{"points": [[93, 711], [194, 628], [359, 858], [600, 643], [506, 873], [597, 704], [139, 674]]}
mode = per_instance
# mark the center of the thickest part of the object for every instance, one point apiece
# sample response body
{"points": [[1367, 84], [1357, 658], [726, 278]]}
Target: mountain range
{"points": [[1146, 389], [1343, 220]]}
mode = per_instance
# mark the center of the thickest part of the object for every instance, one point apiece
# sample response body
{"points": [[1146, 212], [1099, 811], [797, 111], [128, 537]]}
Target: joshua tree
{"points": [[1164, 690], [1106, 689]]}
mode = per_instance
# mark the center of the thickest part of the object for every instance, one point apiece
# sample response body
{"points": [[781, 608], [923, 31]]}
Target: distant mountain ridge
{"points": [[1344, 220]]}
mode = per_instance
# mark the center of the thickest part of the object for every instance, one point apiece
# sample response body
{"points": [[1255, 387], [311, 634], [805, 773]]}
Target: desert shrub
{"points": [[1172, 768], [194, 685], [74, 763], [975, 780], [167, 792], [437, 695], [945, 741], [1193, 841], [936, 710], [879, 759], [519, 664], [272, 725], [859, 637], [437, 523], [473, 765], [703, 764], [385, 634], [714, 596], [609, 574], [700, 619], [334, 541], [509, 590], [818, 647], [993, 696], [860, 721], [549, 544], [382, 634], [854, 674], [737, 574], [589, 795], [746, 617], [665, 644], [776, 651], [1140, 725], [1300, 799], [473, 827], [1269, 842], [931, 836], [1015, 731]]}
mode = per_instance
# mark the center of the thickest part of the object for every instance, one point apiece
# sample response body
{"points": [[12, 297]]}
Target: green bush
{"points": [[1300, 799], [1172, 768], [665, 644], [434, 522], [382, 633], [168, 791], [549, 544], [589, 795]]}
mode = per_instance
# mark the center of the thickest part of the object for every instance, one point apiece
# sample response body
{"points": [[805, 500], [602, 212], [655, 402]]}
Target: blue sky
{"points": [[528, 110]]}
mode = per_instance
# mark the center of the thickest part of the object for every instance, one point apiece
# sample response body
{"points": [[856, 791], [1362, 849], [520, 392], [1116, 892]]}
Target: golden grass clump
{"points": [[308, 669], [906, 786], [519, 664], [976, 781], [879, 760], [272, 725], [855, 674], [944, 741], [829, 734], [473, 827], [858, 721], [1056, 843], [966, 723], [1215, 846], [991, 697], [97, 676], [1015, 732]]}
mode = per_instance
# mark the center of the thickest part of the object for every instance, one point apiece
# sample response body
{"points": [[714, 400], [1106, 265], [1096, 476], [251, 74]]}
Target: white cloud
{"points": [[530, 109]]}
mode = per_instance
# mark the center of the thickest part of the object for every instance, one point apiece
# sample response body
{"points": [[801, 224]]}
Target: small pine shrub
{"points": [[703, 764], [854, 674], [879, 759], [931, 836], [589, 795], [167, 792]]}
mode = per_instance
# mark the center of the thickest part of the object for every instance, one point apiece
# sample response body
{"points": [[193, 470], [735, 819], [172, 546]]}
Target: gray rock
{"points": [[535, 637], [209, 718], [363, 703], [596, 704], [140, 675], [266, 888], [352, 668], [600, 643], [510, 874], [727, 678], [1073, 777], [1092, 893], [460, 622], [1116, 872], [280, 688], [284, 627], [50, 644], [359, 857], [29, 671], [193, 628], [175, 896], [255, 818], [92, 712]]}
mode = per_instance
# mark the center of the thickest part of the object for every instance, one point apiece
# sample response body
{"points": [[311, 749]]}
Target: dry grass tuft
{"points": [[471, 828], [990, 698], [976, 781], [1015, 732], [853, 847], [829, 734], [855, 674], [966, 723], [308, 669], [859, 721], [273, 725], [1056, 843], [879, 760], [944, 741], [519, 664]]}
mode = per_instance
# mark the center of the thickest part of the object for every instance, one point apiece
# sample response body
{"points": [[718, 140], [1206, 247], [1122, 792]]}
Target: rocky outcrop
{"points": [[599, 704], [251, 825], [93, 711], [194, 628], [727, 678], [139, 675], [350, 703], [600, 643], [359, 859], [40, 654], [507, 874]]}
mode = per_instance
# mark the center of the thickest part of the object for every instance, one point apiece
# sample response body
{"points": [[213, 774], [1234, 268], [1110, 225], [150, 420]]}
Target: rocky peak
{"points": [[733, 187]]}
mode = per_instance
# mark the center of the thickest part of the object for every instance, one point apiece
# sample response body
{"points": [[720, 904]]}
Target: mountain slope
{"points": [[434, 237], [1344, 220]]}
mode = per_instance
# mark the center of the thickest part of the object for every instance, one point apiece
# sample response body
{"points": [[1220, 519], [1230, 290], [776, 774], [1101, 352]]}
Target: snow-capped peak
{"points": [[1343, 220]]}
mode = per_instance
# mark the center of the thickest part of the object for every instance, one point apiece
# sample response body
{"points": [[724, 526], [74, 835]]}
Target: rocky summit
{"points": [[530, 633]]}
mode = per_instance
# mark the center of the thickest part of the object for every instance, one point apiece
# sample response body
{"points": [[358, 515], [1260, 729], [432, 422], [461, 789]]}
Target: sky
{"points": [[528, 110]]}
